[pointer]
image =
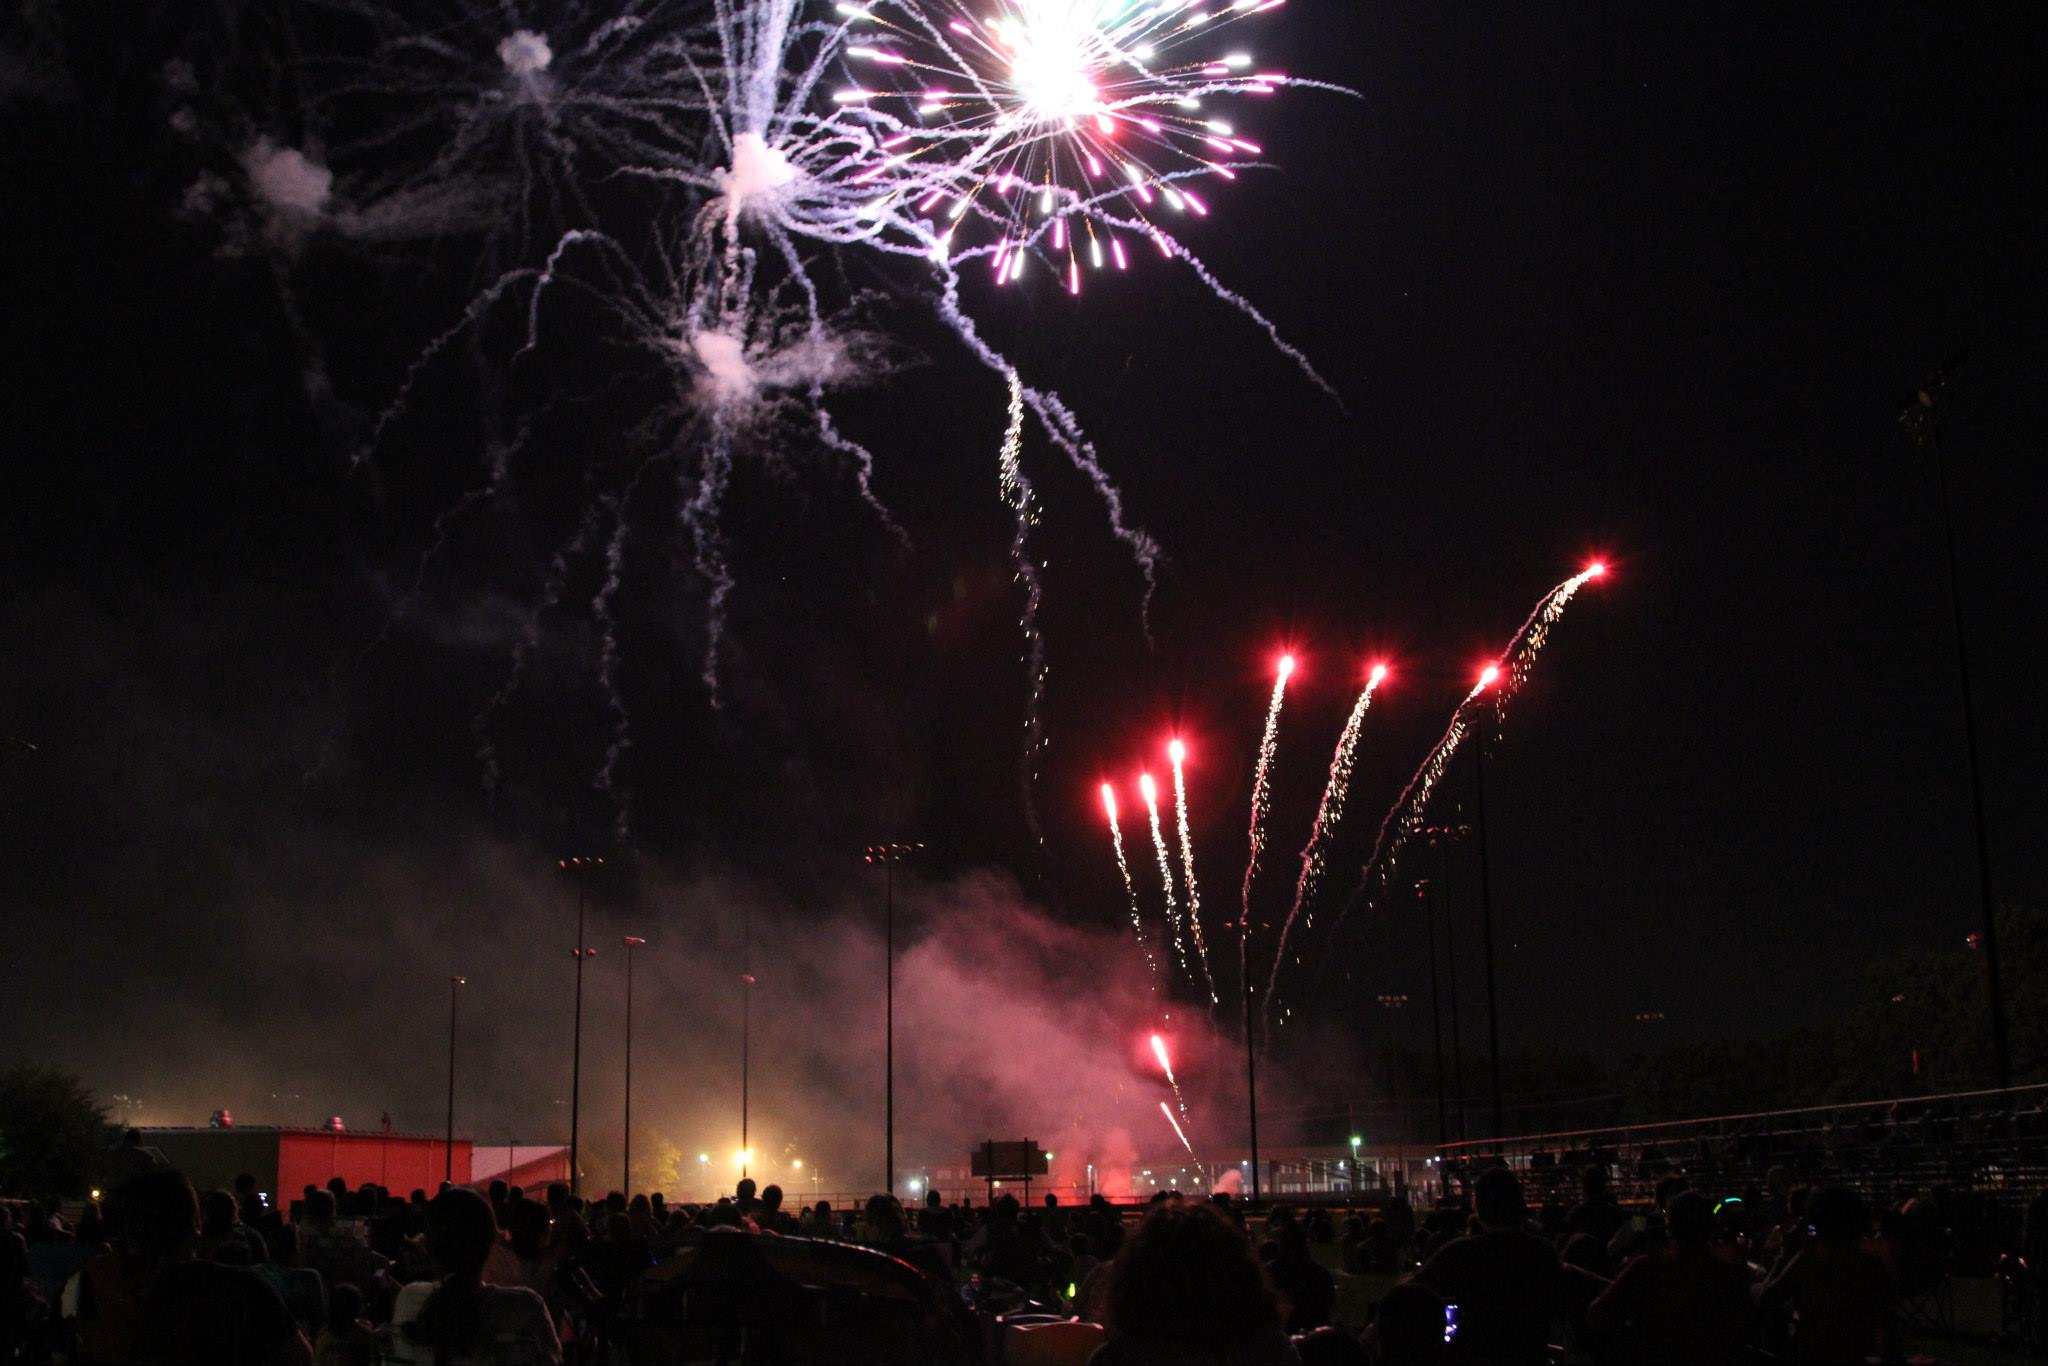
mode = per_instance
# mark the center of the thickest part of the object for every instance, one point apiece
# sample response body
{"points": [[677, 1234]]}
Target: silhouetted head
{"points": [[460, 1232], [1838, 1214], [162, 1214], [1498, 1197], [1691, 1221], [1187, 1278], [1410, 1325]]}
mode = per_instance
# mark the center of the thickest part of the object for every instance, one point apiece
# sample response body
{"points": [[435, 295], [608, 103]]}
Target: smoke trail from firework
{"points": [[1150, 791], [1178, 1132], [1016, 490], [1328, 812], [1262, 801], [1405, 817], [1178, 753], [1123, 866]]}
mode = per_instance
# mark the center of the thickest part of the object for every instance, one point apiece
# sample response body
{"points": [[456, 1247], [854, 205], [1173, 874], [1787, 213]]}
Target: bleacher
{"points": [[1990, 1143]]}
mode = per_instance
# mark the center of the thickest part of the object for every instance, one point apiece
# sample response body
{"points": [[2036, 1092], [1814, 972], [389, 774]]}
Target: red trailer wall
{"points": [[398, 1162]]}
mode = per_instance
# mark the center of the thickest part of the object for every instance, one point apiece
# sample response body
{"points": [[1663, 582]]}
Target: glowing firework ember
{"points": [[1123, 866], [1150, 792], [1328, 812], [1406, 815], [1178, 753], [1047, 114], [1158, 1042], [1262, 800]]}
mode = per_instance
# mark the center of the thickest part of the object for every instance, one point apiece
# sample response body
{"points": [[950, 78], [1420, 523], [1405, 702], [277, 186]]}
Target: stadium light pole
{"points": [[1441, 837], [1426, 891], [579, 868], [746, 1035], [1921, 418], [889, 855], [1489, 677], [448, 1152], [632, 942]]}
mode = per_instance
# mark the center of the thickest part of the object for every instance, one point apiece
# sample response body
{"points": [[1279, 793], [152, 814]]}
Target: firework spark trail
{"points": [[1150, 791], [1262, 801], [607, 779], [1166, 1066], [1064, 429], [1116, 839], [552, 587], [1178, 1132], [1017, 495], [732, 111], [1177, 753], [1328, 812], [1405, 816]]}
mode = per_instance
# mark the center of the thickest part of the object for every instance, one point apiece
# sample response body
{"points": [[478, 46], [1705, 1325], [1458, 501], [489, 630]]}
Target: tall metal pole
{"points": [[889, 1027], [1251, 1058], [889, 855], [631, 942], [578, 868], [746, 1034], [1922, 419], [1427, 890], [1441, 836], [1486, 927], [448, 1150]]}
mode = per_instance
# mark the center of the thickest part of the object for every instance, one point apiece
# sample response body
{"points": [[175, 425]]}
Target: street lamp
{"points": [[889, 855], [448, 1153], [580, 869], [632, 942]]}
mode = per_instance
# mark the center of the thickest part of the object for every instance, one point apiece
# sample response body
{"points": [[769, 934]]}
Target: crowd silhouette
{"points": [[499, 1276]]}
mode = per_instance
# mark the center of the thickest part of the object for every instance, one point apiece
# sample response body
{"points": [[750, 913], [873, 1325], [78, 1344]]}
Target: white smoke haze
{"points": [[525, 53], [758, 176], [249, 944], [286, 179]]}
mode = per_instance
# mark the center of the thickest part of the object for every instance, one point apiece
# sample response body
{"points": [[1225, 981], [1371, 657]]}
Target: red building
{"points": [[286, 1161]]}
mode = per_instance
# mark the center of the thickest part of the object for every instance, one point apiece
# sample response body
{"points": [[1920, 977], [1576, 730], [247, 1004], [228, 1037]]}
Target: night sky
{"points": [[1588, 279]]}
